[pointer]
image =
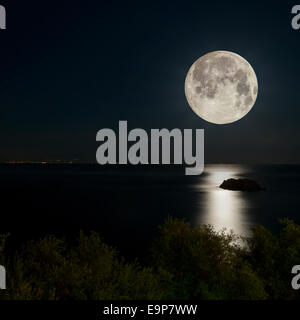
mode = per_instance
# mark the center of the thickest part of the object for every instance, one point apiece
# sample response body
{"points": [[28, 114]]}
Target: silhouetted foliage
{"points": [[184, 263], [49, 269], [204, 264], [272, 258]]}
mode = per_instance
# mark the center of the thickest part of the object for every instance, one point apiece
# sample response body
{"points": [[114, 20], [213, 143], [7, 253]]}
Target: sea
{"points": [[126, 204]]}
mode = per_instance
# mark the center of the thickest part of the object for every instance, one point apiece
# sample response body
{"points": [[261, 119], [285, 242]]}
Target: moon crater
{"points": [[221, 87]]}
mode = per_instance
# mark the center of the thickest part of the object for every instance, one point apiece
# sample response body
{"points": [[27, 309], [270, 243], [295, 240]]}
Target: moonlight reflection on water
{"points": [[224, 208]]}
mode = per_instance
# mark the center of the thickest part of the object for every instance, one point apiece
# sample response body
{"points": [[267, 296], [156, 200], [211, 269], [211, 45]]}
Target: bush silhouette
{"points": [[184, 263]]}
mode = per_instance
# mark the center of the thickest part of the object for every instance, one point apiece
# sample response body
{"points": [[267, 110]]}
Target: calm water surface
{"points": [[126, 204]]}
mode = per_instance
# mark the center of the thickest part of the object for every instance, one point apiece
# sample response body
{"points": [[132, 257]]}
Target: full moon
{"points": [[221, 87]]}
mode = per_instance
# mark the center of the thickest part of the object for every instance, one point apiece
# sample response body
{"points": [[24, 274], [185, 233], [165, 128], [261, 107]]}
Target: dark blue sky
{"points": [[70, 68]]}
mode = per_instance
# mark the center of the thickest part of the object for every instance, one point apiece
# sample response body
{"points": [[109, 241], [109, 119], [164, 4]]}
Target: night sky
{"points": [[70, 68]]}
